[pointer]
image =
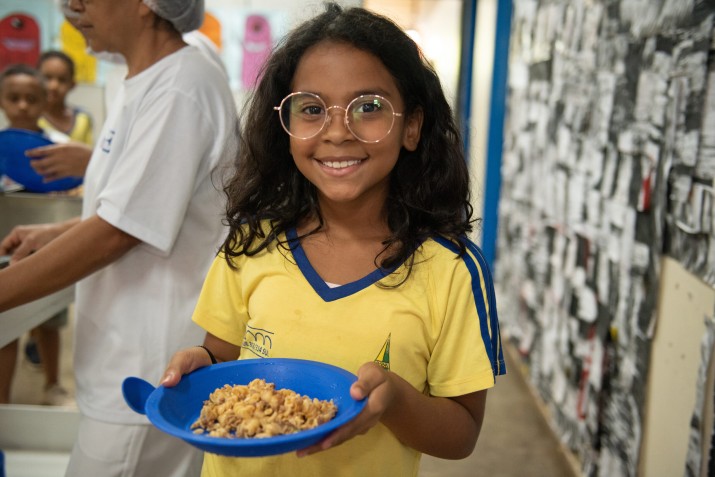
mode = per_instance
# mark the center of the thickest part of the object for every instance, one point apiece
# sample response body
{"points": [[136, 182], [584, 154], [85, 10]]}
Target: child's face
{"points": [[342, 168], [22, 97], [58, 80]]}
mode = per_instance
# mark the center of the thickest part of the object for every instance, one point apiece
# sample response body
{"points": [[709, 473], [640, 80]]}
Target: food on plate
{"points": [[259, 410]]}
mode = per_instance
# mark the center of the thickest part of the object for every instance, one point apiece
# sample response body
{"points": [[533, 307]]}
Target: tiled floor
{"points": [[515, 440]]}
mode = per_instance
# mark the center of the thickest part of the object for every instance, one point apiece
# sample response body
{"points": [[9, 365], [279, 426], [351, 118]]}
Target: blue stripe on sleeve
{"points": [[493, 316], [490, 337]]}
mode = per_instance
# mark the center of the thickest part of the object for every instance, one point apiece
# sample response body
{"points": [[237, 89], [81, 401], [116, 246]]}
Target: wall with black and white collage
{"points": [[608, 165]]}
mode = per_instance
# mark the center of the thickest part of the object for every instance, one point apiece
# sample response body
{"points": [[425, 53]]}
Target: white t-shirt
{"points": [[156, 173]]}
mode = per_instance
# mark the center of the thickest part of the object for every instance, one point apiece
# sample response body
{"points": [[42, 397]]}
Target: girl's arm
{"points": [[190, 359], [447, 428]]}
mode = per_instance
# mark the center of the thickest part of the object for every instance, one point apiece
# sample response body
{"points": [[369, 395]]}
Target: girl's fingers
{"points": [[183, 362]]}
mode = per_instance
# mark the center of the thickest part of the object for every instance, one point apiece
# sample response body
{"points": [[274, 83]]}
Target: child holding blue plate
{"points": [[348, 218], [23, 97]]}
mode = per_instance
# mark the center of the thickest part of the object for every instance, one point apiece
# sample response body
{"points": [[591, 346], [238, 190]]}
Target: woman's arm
{"points": [[39, 269]]}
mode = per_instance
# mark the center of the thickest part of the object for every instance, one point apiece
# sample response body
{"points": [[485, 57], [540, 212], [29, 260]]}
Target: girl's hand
{"points": [[183, 362], [190, 359], [375, 384]]}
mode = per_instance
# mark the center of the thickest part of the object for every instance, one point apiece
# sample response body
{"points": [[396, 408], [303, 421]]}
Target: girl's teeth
{"points": [[341, 164]]}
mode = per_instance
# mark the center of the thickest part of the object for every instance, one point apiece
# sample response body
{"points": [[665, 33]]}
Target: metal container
{"points": [[20, 209], [24, 208]]}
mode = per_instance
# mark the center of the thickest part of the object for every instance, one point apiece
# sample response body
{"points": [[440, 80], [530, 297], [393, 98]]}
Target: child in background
{"points": [[351, 204], [23, 98], [58, 69], [59, 72], [70, 159]]}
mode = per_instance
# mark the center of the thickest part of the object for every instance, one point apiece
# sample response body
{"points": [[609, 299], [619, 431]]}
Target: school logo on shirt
{"points": [[258, 341], [107, 141], [383, 357]]}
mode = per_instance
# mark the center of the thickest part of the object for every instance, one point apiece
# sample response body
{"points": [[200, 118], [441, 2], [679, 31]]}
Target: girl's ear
{"points": [[413, 129]]}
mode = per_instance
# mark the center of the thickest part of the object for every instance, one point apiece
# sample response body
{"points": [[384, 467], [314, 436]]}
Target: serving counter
{"points": [[19, 208]]}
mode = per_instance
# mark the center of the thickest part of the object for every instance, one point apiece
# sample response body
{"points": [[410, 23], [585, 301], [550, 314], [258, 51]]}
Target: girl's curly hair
{"points": [[429, 187]]}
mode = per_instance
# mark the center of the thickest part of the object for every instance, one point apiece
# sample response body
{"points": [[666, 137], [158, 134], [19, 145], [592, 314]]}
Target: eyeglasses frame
{"points": [[329, 117]]}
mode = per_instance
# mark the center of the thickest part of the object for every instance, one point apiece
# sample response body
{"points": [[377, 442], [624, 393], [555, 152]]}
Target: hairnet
{"points": [[185, 15]]}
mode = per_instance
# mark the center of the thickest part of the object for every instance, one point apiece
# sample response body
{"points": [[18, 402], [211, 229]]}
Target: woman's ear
{"points": [[413, 129]]}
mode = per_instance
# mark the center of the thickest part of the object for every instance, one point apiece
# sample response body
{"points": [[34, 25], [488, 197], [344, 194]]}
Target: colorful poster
{"points": [[247, 38], [74, 45], [256, 45], [19, 40], [212, 29]]}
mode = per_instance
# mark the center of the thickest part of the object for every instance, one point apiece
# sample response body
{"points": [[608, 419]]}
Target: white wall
{"points": [[436, 27], [482, 68]]}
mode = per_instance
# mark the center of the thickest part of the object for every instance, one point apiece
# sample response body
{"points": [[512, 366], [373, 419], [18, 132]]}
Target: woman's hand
{"points": [[373, 383], [24, 240], [60, 160]]}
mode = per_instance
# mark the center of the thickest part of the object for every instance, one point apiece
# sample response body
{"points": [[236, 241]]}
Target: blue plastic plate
{"points": [[174, 410], [14, 163]]}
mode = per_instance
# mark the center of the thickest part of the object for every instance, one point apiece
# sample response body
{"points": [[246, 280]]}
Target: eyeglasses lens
{"points": [[370, 117]]}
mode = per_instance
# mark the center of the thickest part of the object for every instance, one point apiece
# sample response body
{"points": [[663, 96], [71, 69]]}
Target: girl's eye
{"points": [[371, 106], [312, 110]]}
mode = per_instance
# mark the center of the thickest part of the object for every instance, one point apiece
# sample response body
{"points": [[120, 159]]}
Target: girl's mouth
{"points": [[341, 164]]}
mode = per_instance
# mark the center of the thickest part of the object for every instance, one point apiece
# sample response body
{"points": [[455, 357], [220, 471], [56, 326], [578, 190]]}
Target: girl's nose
{"points": [[336, 126]]}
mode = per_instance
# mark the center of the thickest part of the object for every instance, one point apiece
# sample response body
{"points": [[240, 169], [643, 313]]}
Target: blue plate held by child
{"points": [[14, 163], [173, 410]]}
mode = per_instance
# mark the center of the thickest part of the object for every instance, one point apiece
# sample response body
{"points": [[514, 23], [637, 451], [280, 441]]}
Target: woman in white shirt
{"points": [[150, 227]]}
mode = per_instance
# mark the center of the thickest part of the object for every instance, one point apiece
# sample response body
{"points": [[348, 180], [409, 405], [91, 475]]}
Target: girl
{"points": [[348, 215], [69, 159], [58, 70]]}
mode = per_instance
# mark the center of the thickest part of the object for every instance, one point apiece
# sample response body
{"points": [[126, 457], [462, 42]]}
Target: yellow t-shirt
{"points": [[81, 130], [438, 331]]}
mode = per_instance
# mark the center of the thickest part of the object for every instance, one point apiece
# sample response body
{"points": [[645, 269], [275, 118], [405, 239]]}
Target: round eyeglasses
{"points": [[369, 117]]}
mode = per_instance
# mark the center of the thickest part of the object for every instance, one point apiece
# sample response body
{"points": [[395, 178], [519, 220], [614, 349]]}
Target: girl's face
{"points": [[22, 97], [58, 80], [343, 169]]}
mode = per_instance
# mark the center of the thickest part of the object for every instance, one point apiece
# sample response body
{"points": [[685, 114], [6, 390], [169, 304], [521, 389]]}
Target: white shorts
{"points": [[124, 450]]}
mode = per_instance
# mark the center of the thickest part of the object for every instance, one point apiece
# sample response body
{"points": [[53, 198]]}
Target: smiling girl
{"points": [[348, 218]]}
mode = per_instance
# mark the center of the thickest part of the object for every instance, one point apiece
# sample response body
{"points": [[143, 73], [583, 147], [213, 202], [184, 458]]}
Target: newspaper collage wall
{"points": [[608, 163]]}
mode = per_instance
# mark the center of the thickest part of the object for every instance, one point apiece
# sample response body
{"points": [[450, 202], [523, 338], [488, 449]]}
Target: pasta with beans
{"points": [[259, 410]]}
